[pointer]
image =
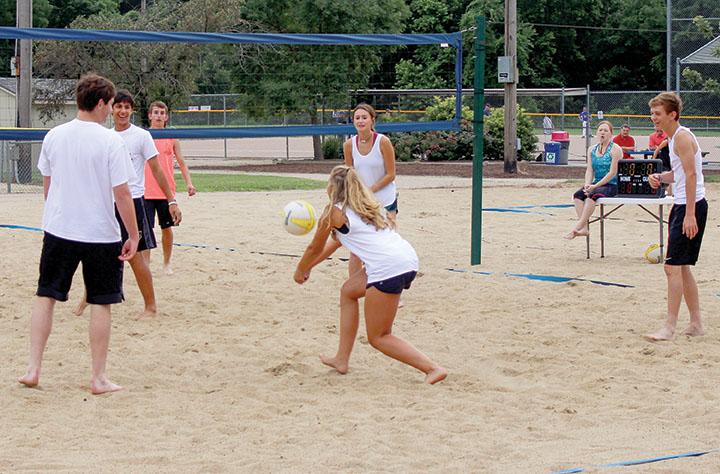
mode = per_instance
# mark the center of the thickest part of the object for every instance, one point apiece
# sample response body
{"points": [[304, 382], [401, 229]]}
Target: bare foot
{"points": [[570, 235], [436, 375], [147, 313], [102, 385], [341, 367], [167, 269], [584, 232], [80, 308], [694, 330], [31, 378], [664, 334]]}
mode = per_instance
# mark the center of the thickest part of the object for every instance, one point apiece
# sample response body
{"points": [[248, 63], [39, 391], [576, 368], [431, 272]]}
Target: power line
{"points": [[587, 27]]}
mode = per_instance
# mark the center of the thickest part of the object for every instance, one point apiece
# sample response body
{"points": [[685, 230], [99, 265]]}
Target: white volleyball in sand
{"points": [[653, 254]]}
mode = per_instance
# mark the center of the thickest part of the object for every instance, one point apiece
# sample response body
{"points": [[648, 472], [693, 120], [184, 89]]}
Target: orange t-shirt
{"points": [[166, 157]]}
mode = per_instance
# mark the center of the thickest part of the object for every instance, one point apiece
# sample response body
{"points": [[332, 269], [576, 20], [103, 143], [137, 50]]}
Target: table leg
{"points": [[602, 230]]}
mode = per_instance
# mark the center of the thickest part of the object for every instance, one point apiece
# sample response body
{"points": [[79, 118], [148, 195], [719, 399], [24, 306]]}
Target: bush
{"points": [[332, 148], [494, 135], [444, 109], [436, 145]]}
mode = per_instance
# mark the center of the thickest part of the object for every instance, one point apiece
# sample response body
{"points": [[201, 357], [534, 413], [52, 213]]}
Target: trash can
{"points": [[552, 153], [564, 139]]}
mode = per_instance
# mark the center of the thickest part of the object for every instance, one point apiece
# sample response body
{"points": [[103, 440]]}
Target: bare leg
{"points": [[167, 244], [354, 265], [144, 280], [99, 341], [40, 327], [675, 292], [581, 228], [380, 311], [692, 300], [352, 290], [80, 308]]}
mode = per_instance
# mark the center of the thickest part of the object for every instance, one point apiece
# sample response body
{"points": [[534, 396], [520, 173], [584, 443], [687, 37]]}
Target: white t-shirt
{"points": [[384, 252], [679, 172], [84, 161], [371, 168], [141, 146]]}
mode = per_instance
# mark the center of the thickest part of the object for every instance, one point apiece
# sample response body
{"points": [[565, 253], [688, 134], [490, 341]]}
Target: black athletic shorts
{"points": [[681, 250], [101, 268], [161, 208], [608, 190], [395, 284], [147, 236]]}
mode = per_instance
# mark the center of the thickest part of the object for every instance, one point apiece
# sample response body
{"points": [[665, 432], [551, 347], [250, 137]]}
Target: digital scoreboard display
{"points": [[633, 178]]}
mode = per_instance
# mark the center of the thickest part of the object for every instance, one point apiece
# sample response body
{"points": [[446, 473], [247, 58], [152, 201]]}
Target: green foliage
{"points": [[228, 182], [619, 57], [436, 145], [444, 109], [65, 12], [40, 16], [332, 148], [494, 135], [151, 71]]}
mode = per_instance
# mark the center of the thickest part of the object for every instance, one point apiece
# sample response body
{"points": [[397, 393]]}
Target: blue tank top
{"points": [[601, 164]]}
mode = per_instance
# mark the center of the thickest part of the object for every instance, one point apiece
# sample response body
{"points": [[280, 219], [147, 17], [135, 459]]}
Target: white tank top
{"points": [[384, 253], [679, 173], [371, 169]]}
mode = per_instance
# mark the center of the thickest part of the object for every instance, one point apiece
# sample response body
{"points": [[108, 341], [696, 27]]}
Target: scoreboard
{"points": [[633, 178]]}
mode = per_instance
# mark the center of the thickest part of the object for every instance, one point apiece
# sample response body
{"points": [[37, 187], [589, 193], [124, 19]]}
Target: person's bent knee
{"points": [[671, 270]]}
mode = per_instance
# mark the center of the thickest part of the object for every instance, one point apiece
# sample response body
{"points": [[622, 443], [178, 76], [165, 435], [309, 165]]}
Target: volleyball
{"points": [[652, 254], [299, 217]]}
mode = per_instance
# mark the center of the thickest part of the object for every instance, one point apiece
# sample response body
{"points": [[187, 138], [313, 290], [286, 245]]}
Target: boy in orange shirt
{"points": [[155, 200]]}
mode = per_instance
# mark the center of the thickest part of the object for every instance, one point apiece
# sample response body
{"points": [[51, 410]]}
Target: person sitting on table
{"points": [[625, 140], [600, 178], [656, 138]]}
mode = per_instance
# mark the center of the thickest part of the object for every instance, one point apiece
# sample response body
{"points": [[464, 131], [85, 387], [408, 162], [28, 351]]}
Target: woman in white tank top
{"points": [[373, 157], [355, 220]]}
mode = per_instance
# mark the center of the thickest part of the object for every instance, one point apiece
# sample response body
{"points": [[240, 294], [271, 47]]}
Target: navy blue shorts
{"points": [[608, 190], [101, 268], [681, 250], [161, 208], [394, 285], [392, 207], [147, 236]]}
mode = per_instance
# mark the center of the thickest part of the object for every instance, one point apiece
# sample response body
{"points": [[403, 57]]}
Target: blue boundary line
{"points": [[636, 462], [548, 278]]}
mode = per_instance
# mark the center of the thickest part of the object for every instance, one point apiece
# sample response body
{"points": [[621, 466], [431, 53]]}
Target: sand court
{"points": [[542, 376]]}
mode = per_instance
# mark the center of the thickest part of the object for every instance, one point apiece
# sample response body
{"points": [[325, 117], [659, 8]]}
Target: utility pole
{"points": [[24, 80], [510, 137], [23, 97]]}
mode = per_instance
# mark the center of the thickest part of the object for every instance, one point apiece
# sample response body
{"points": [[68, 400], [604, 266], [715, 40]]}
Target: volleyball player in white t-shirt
{"points": [[687, 217], [142, 150], [85, 168], [355, 220]]}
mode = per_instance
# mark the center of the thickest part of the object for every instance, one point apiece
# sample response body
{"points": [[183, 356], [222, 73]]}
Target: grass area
{"points": [[216, 182], [712, 178]]}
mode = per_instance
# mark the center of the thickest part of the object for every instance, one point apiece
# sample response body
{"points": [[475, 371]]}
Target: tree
{"points": [[151, 71], [41, 13], [694, 78], [285, 80], [65, 12]]}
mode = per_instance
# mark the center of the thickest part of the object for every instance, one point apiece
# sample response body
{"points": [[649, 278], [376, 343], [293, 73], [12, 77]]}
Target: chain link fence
{"points": [[18, 167]]}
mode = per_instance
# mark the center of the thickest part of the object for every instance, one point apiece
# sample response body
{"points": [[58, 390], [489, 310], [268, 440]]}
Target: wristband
{"points": [[170, 203]]}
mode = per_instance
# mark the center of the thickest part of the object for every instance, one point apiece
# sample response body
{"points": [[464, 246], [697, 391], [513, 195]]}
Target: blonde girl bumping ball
{"points": [[354, 219]]}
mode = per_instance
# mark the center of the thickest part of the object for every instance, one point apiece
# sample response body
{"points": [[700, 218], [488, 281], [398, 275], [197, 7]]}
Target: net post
{"points": [[478, 129]]}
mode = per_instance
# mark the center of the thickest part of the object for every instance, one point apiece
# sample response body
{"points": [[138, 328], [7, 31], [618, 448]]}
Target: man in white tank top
{"points": [[687, 218]]}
